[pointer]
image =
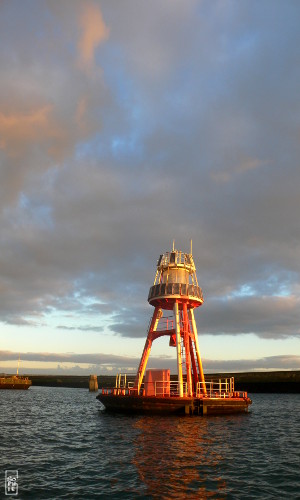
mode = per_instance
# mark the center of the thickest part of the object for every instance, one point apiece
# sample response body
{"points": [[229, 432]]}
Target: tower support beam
{"points": [[186, 342], [146, 352], [194, 327], [178, 347]]}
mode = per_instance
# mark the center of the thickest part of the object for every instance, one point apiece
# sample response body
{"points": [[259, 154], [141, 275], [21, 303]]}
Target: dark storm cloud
{"points": [[267, 317], [124, 128]]}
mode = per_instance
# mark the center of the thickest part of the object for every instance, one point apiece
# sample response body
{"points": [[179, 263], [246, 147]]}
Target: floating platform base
{"points": [[126, 403], [15, 383]]}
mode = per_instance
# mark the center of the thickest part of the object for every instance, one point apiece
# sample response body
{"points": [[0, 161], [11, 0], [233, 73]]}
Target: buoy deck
{"points": [[130, 403]]}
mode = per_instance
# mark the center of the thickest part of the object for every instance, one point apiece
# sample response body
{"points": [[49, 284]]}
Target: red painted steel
{"points": [[176, 291]]}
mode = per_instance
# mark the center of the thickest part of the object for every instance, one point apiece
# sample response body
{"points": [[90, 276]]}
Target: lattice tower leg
{"points": [[146, 352], [179, 362], [186, 337], [194, 327]]}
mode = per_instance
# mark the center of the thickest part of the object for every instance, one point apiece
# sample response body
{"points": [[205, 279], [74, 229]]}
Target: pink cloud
{"points": [[93, 32]]}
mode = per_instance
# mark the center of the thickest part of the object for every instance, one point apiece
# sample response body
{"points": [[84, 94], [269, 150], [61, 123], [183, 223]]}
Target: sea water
{"points": [[62, 445]]}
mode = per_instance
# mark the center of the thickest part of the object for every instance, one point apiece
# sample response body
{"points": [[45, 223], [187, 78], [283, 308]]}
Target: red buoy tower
{"points": [[174, 295], [176, 290]]}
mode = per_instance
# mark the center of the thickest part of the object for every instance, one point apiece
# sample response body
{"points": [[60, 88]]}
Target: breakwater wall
{"points": [[268, 382], [252, 382]]}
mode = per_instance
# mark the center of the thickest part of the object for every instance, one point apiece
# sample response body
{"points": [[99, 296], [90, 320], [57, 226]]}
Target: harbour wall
{"points": [[252, 382]]}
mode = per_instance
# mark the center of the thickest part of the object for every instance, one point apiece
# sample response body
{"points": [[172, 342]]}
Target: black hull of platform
{"points": [[144, 404], [16, 387], [173, 405]]}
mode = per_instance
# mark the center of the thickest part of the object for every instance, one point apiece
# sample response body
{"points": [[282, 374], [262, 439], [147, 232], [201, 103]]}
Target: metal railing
{"points": [[158, 388], [219, 388], [215, 388], [166, 323], [124, 379], [176, 258], [182, 289], [168, 388]]}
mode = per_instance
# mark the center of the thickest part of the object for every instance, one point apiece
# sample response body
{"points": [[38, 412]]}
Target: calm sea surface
{"points": [[63, 446]]}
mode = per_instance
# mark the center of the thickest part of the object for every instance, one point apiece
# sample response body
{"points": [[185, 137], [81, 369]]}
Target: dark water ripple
{"points": [[64, 447]]}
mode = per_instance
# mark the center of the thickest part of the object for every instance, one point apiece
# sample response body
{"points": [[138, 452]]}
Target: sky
{"points": [[125, 126]]}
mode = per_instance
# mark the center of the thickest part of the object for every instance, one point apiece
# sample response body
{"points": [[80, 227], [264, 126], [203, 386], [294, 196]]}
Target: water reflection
{"points": [[179, 458]]}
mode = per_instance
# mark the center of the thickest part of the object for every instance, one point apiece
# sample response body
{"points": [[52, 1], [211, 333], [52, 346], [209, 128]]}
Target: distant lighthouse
{"points": [[176, 290]]}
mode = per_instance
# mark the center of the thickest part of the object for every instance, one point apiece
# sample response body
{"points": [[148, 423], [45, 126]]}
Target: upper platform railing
{"points": [[176, 258], [169, 289]]}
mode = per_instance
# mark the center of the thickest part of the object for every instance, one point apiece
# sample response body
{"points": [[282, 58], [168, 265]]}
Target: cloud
{"points": [[47, 102], [265, 316], [93, 31], [86, 328], [283, 362], [183, 124], [102, 363], [243, 166], [65, 357], [22, 129]]}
